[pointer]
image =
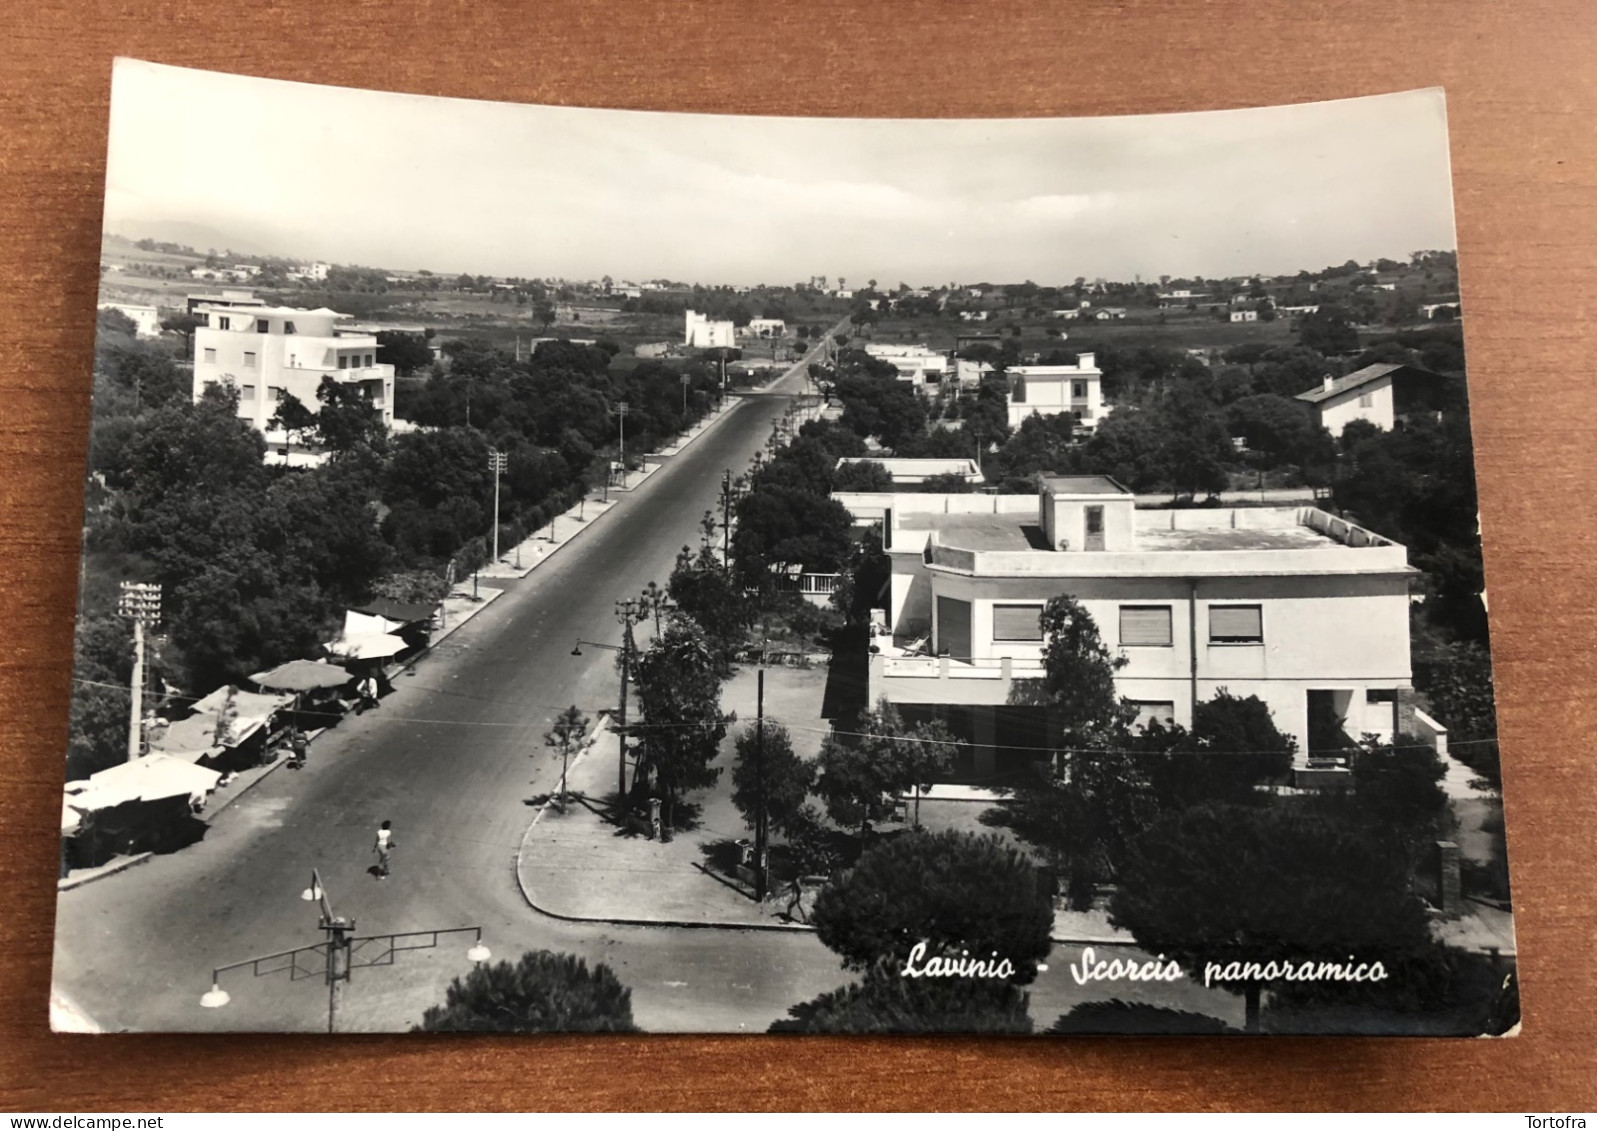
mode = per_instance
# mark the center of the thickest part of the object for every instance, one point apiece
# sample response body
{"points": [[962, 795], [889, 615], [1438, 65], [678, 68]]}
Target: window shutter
{"points": [[1235, 622], [1145, 625], [1017, 622]]}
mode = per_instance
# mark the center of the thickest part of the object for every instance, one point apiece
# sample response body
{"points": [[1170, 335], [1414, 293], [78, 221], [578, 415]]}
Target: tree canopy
{"points": [[544, 992]]}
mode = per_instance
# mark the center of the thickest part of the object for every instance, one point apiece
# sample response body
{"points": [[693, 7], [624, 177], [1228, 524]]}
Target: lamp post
{"points": [[341, 952], [140, 603]]}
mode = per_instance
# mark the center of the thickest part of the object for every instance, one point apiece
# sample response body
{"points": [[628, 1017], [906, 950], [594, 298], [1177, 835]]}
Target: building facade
{"points": [[1306, 611], [1049, 390], [268, 352], [702, 333]]}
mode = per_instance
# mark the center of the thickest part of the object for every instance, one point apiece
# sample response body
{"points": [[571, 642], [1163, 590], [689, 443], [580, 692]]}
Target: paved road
{"points": [[452, 758]]}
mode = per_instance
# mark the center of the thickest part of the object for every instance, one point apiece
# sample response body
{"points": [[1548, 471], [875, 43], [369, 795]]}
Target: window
{"points": [[1366, 400], [288, 327], [1236, 624], [343, 361], [1017, 622], [223, 322], [210, 355], [1145, 626], [246, 392], [1151, 711], [369, 361], [1078, 390], [263, 326], [1380, 695], [274, 393], [249, 360], [1017, 391]]}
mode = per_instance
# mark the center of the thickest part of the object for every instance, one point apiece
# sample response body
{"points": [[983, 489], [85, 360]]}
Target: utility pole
{"points": [[497, 463], [627, 612], [759, 779], [726, 519], [620, 413], [685, 380], [140, 603]]}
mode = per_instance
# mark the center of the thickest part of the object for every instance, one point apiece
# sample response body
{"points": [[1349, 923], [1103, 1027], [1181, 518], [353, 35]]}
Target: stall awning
{"points": [[301, 675], [153, 777]]}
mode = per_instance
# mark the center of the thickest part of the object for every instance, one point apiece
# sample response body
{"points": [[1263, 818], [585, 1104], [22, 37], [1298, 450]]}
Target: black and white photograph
{"points": [[569, 570]]}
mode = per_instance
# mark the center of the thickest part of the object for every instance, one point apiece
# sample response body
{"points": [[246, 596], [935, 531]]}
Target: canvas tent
{"points": [[146, 805]]}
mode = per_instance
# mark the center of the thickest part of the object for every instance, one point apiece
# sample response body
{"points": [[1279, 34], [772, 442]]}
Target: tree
{"points": [[1398, 785], [778, 775], [1224, 885], [864, 771], [566, 734], [947, 895], [886, 1002], [544, 992], [1458, 683], [1079, 673], [867, 475], [679, 693], [1328, 331], [544, 311], [1233, 747], [293, 418], [347, 420], [1081, 820], [404, 351], [704, 591]]}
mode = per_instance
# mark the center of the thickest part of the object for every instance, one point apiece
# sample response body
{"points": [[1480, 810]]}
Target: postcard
{"points": [[552, 569]]}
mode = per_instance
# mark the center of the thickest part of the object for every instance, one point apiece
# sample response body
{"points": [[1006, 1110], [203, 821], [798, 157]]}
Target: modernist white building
{"points": [[767, 327], [911, 471], [700, 332], [1048, 390], [924, 368], [146, 319], [267, 352], [1304, 610]]}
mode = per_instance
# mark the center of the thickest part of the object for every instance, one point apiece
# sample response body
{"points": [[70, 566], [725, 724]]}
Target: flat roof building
{"points": [[1304, 610]]}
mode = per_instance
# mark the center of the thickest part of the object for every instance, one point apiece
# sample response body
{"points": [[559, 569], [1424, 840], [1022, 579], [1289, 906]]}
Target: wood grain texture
{"points": [[1520, 86]]}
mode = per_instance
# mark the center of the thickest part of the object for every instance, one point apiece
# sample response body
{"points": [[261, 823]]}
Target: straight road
{"points": [[453, 758]]}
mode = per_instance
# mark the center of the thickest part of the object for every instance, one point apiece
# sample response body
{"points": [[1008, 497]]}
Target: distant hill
{"points": [[200, 237]]}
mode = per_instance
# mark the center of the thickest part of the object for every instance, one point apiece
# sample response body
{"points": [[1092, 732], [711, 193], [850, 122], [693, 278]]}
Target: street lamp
{"points": [[341, 952]]}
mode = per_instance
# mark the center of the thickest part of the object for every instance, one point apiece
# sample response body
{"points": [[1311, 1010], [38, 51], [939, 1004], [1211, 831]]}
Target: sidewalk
{"points": [[580, 867], [519, 561]]}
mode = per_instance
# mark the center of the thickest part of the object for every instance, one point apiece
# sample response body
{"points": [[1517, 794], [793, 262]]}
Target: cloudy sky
{"points": [[405, 181]]}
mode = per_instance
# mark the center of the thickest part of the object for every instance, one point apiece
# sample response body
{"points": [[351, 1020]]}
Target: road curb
{"points": [[111, 868], [281, 761], [694, 924]]}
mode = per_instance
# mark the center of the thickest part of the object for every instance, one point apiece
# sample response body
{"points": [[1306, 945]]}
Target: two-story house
{"points": [[1304, 610], [268, 352], [1381, 394], [1048, 390]]}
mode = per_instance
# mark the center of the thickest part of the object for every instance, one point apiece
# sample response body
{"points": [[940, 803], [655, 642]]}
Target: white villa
{"points": [[1381, 394], [1048, 390], [699, 331], [1304, 610], [267, 352], [924, 368]]}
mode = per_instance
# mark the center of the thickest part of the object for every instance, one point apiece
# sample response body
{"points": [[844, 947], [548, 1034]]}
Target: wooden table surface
{"points": [[1519, 81]]}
